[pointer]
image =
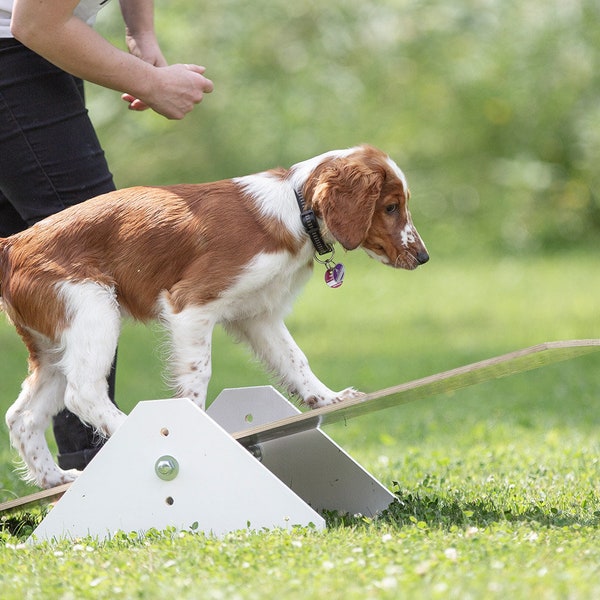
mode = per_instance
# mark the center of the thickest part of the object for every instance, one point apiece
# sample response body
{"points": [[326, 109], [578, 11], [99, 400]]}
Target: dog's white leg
{"points": [[89, 345], [190, 359], [28, 418], [274, 345]]}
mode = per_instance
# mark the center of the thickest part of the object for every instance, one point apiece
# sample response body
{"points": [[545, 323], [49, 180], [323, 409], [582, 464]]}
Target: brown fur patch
{"points": [[191, 240]]}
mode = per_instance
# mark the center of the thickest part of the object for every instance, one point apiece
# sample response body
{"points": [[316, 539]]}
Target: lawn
{"points": [[497, 485]]}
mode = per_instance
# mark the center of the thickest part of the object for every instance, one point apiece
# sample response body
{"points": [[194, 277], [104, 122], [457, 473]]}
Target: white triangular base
{"points": [[220, 486], [310, 463]]}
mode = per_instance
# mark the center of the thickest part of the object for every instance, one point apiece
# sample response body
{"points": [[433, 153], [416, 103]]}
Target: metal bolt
{"points": [[166, 468], [256, 451]]}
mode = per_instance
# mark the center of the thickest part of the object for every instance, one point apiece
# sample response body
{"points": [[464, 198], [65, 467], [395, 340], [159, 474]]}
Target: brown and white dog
{"points": [[234, 252]]}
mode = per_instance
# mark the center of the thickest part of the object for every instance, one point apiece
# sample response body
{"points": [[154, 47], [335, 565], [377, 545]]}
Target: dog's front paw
{"points": [[343, 396], [349, 394]]}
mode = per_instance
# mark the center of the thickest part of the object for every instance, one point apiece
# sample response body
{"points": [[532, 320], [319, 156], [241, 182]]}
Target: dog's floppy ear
{"points": [[345, 195]]}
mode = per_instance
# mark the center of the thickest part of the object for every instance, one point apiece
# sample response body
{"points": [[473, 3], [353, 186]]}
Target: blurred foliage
{"points": [[491, 107]]}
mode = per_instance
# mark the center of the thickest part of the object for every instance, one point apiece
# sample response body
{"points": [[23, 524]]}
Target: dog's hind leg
{"points": [[88, 348], [190, 355], [28, 418]]}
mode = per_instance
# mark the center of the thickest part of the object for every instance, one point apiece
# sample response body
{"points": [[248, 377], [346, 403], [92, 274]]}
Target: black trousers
{"points": [[50, 158]]}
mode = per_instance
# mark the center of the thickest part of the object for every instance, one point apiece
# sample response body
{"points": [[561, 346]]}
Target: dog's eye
{"points": [[392, 208]]}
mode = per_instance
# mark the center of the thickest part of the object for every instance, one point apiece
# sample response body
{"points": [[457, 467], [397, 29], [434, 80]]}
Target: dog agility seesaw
{"points": [[253, 460]]}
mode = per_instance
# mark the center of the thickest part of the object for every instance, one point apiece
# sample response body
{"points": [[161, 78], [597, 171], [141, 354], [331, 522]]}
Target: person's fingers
{"points": [[196, 68], [207, 86], [179, 87], [134, 103]]}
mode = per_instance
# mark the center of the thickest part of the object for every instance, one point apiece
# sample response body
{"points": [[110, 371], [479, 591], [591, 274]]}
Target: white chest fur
{"points": [[268, 285]]}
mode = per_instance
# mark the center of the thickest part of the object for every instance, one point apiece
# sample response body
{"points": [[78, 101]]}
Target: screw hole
{"points": [[249, 418], [164, 432], [169, 500]]}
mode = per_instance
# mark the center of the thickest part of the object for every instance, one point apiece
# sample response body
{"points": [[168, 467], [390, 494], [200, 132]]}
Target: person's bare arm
{"points": [[51, 30], [140, 35]]}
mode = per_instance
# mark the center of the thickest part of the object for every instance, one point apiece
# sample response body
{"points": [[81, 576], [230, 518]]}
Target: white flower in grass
{"points": [[383, 460], [387, 583], [423, 567], [20, 546], [451, 554]]}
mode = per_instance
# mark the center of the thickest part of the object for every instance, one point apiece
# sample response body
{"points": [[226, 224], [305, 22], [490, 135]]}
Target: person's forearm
{"points": [[139, 31], [138, 16], [49, 28]]}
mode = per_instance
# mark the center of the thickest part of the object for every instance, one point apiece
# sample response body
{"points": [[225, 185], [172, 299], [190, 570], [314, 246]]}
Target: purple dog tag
{"points": [[334, 277]]}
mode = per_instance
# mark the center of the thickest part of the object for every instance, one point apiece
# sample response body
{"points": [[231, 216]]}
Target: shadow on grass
{"points": [[434, 512], [21, 524]]}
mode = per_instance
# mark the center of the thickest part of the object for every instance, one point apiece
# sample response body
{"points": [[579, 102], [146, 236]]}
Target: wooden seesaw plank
{"points": [[49, 495], [493, 368]]}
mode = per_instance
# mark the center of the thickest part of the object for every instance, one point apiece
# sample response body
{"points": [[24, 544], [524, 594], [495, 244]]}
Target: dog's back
{"points": [[142, 240]]}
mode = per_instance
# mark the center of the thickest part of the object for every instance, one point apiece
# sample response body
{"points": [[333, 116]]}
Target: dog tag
{"points": [[334, 276]]}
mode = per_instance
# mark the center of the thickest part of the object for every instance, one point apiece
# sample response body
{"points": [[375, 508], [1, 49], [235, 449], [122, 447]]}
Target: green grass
{"points": [[497, 485]]}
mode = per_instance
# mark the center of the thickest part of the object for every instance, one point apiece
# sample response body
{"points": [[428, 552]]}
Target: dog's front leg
{"points": [[274, 345]]}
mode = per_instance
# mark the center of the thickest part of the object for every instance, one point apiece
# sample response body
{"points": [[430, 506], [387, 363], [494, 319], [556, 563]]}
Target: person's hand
{"points": [[175, 92], [134, 103], [145, 46]]}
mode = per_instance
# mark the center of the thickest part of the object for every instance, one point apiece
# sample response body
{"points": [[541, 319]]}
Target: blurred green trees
{"points": [[491, 107]]}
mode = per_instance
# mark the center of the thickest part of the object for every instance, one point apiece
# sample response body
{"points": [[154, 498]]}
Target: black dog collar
{"points": [[334, 273], [311, 226]]}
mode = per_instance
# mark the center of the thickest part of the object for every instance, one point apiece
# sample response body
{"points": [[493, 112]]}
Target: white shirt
{"points": [[86, 10]]}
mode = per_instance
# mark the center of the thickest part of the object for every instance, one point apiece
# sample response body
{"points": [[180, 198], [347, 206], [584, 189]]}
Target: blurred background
{"points": [[491, 107]]}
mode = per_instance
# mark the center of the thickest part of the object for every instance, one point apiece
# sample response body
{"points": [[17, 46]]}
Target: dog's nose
{"points": [[422, 257]]}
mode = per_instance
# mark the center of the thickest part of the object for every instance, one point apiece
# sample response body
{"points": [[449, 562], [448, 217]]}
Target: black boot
{"points": [[78, 443]]}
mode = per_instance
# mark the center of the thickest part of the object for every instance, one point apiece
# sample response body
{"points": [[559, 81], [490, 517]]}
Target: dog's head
{"points": [[362, 197]]}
